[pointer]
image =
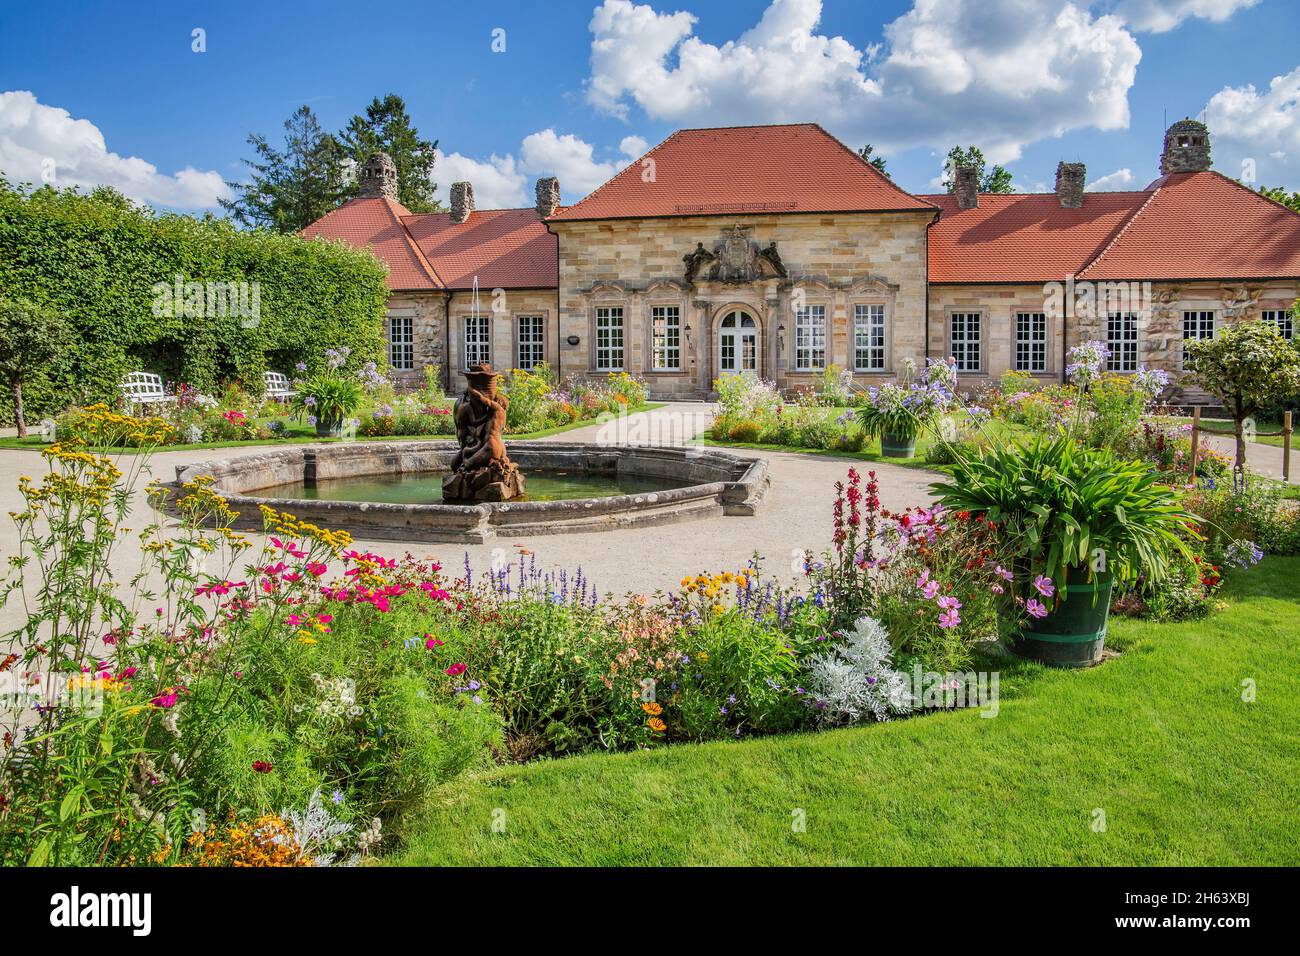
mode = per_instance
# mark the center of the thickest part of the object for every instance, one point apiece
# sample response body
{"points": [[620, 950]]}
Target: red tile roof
{"points": [[1023, 237], [1203, 226], [505, 248], [378, 223], [745, 170]]}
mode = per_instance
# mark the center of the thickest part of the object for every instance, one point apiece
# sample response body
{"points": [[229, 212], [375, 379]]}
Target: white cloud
{"points": [[546, 153], [1118, 181], [41, 144], [997, 73], [1161, 16], [633, 147], [504, 182], [498, 182], [1258, 127]]}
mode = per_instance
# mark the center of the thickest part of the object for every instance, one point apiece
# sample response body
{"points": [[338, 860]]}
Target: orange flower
{"points": [[652, 708], [657, 725]]}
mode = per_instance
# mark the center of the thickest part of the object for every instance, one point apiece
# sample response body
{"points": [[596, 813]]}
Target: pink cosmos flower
{"points": [[930, 590], [998, 589], [1035, 608], [948, 603], [1003, 573], [316, 568], [1044, 586], [432, 642], [455, 670], [949, 618], [165, 701], [216, 587]]}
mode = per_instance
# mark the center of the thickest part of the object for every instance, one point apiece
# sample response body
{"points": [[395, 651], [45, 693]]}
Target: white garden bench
{"points": [[144, 388], [278, 386]]}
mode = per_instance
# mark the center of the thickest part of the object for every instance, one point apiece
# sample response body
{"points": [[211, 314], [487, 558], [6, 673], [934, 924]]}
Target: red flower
{"points": [[261, 766], [455, 670]]}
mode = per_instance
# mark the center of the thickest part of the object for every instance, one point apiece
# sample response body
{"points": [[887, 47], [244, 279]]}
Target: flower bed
{"points": [[294, 699]]}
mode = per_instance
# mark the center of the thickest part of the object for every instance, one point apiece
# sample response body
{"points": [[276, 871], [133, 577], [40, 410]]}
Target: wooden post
{"points": [[1196, 440], [1286, 446]]}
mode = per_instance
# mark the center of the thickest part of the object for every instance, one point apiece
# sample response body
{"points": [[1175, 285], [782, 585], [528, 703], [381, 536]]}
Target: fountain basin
{"points": [[709, 483]]}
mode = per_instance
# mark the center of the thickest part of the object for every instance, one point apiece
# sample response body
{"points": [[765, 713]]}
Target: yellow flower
{"points": [[306, 640], [703, 655]]}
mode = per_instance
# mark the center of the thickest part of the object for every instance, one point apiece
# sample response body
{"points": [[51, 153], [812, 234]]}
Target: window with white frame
{"points": [[609, 339], [478, 340], [868, 338], [401, 342], [1031, 342], [810, 338], [964, 340], [666, 337], [532, 341], [1197, 324], [1122, 340], [1284, 321]]}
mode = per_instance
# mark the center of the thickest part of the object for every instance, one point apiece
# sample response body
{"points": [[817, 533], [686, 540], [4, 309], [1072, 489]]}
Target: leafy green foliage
{"points": [[30, 338], [97, 258], [291, 188], [1066, 506], [991, 180], [387, 126], [1278, 194], [877, 161], [1246, 366]]}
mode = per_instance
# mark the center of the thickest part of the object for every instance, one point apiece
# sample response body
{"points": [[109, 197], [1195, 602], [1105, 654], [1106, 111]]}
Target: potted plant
{"points": [[897, 412], [1076, 521], [330, 396]]}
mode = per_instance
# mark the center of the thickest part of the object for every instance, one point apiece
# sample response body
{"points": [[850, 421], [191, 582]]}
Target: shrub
{"points": [[106, 264], [854, 679], [744, 431], [1067, 505]]}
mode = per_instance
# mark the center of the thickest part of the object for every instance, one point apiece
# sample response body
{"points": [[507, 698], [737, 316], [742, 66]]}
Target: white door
{"points": [[738, 343]]}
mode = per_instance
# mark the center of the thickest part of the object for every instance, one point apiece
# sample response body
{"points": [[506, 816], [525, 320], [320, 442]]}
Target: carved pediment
{"points": [[735, 257]]}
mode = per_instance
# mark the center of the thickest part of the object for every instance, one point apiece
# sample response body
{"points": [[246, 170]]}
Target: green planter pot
{"points": [[329, 429], [897, 446], [1074, 632]]}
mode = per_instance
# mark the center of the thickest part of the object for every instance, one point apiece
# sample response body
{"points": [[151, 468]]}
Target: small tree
{"points": [[994, 179], [30, 338], [1246, 367], [867, 152]]}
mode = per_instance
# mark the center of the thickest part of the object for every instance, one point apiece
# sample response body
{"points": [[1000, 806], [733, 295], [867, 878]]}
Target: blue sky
{"points": [[117, 95]]}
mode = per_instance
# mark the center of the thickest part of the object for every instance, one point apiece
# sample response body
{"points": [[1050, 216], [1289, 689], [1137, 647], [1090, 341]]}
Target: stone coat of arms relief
{"points": [[735, 258]]}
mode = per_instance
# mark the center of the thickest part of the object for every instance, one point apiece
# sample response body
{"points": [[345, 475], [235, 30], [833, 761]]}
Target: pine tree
{"points": [[877, 161], [387, 126], [293, 187]]}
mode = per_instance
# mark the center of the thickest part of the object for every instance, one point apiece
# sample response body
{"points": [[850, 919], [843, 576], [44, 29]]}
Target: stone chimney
{"points": [[966, 186], [377, 178], [548, 196], [1069, 184], [1187, 148], [462, 201]]}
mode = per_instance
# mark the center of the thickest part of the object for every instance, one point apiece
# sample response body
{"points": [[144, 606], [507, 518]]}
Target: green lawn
{"points": [[297, 433], [1158, 738]]}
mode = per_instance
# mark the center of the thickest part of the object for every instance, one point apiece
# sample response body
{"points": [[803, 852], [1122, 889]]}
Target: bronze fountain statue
{"points": [[481, 470]]}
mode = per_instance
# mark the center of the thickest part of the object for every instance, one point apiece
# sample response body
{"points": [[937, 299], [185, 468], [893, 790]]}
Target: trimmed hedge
{"points": [[97, 258]]}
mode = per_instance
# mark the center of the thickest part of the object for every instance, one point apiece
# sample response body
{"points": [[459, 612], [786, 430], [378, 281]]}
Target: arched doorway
{"points": [[737, 343]]}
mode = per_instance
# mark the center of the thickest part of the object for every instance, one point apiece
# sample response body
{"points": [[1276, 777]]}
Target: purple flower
{"points": [[948, 603], [949, 618], [1043, 585], [1035, 608]]}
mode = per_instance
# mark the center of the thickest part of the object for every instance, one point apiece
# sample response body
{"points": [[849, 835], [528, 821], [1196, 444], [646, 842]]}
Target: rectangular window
{"points": [[810, 338], [401, 342], [666, 336], [609, 339], [1197, 324], [1284, 321], [532, 341], [868, 338], [1122, 340], [1031, 342], [478, 340], [965, 340]]}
